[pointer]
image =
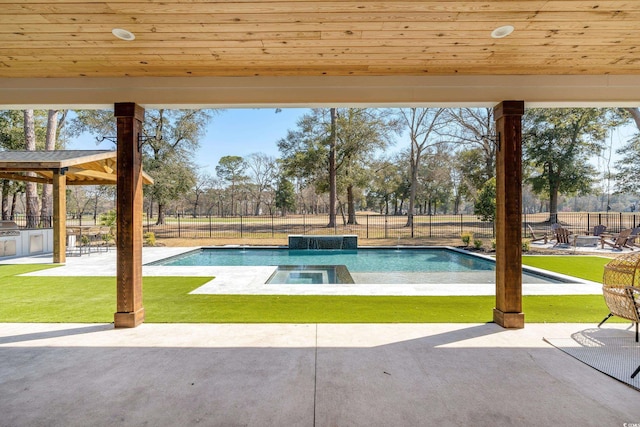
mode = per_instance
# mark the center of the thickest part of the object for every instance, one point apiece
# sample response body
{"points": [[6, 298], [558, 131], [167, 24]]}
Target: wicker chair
{"points": [[621, 289]]}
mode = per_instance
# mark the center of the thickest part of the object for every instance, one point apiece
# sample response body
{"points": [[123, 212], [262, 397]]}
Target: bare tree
{"points": [[262, 173], [475, 128], [333, 169], [203, 181], [425, 125], [55, 122], [31, 188]]}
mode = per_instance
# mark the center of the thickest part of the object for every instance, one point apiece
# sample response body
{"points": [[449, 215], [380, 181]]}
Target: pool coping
{"points": [[251, 280]]}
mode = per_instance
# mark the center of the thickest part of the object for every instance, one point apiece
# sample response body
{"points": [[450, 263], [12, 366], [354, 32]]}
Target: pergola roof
{"points": [[82, 167], [200, 53]]}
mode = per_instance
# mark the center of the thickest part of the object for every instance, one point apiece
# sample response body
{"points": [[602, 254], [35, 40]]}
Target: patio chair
{"points": [[563, 236], [591, 239], [633, 237], [599, 229], [616, 242], [74, 244], [533, 237]]}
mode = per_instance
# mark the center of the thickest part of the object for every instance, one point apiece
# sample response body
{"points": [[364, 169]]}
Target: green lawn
{"points": [[166, 300], [585, 267]]}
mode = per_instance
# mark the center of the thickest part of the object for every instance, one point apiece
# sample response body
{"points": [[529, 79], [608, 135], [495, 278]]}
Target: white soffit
{"points": [[245, 92]]}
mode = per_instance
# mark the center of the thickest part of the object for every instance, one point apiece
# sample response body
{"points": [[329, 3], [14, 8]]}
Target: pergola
{"points": [[201, 53], [61, 168]]}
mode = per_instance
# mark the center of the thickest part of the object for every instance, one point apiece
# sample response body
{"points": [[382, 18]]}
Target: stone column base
{"points": [[508, 320], [128, 319]]}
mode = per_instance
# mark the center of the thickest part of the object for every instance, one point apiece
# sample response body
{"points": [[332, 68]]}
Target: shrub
{"points": [[477, 244], [149, 239], [493, 244], [466, 237], [526, 245], [108, 218]]}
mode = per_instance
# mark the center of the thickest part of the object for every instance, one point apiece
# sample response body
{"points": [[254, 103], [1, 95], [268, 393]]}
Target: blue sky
{"points": [[233, 132], [240, 132]]}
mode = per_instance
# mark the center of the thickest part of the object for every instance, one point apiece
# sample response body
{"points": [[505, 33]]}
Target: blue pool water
{"points": [[368, 265], [360, 260]]}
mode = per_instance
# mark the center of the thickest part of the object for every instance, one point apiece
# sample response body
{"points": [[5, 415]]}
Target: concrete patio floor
{"points": [[302, 375]]}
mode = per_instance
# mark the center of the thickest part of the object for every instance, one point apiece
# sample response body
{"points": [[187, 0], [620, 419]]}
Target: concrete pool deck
{"points": [[251, 280], [303, 375], [296, 374]]}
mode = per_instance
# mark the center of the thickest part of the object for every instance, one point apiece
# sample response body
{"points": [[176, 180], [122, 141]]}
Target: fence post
{"points": [[461, 224], [272, 230], [413, 221], [179, 230], [430, 225], [386, 219], [210, 229], [620, 221], [304, 223], [241, 230], [367, 226]]}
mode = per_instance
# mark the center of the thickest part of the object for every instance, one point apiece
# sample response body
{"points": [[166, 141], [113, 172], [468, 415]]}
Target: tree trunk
{"points": [[635, 113], [5, 199], [160, 220], [415, 160], [14, 202], [96, 200], [351, 206], [31, 188], [553, 205], [341, 209], [195, 207], [46, 211], [333, 186]]}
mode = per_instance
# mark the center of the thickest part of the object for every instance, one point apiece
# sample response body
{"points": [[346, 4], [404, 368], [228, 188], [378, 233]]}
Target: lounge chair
{"points": [[634, 236], [533, 237], [563, 236], [599, 229], [616, 242]]}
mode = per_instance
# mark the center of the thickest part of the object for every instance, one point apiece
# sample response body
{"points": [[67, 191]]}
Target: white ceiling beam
{"points": [[250, 92]]}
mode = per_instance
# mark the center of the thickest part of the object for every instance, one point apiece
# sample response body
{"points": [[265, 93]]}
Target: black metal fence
{"points": [[377, 226], [366, 227], [23, 221]]}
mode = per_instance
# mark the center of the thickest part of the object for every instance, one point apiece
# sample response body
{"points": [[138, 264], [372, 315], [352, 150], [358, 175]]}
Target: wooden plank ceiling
{"points": [[178, 38]]}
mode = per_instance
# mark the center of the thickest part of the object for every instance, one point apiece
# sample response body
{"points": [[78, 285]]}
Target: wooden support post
{"points": [[129, 216], [59, 217], [508, 310]]}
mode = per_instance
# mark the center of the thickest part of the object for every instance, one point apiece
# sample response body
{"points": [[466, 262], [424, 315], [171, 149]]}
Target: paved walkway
{"points": [[302, 375]]}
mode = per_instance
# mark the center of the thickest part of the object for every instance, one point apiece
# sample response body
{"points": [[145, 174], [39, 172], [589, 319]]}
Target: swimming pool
{"points": [[366, 265]]}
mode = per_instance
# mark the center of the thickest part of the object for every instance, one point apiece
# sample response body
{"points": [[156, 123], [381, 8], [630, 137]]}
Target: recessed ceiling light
{"points": [[501, 32], [123, 34]]}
